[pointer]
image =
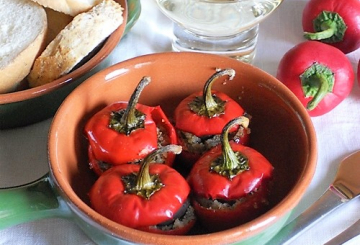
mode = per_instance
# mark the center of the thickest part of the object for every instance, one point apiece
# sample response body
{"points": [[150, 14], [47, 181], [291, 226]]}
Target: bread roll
{"points": [[23, 26], [70, 7], [84, 33]]}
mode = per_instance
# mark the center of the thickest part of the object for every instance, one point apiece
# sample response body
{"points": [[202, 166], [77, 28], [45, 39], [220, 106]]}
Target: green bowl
{"points": [[33, 105]]}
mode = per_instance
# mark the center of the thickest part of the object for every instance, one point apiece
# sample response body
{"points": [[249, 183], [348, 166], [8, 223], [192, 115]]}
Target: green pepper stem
{"points": [[209, 102], [231, 160], [329, 27], [144, 180], [129, 119], [321, 93], [328, 30], [317, 81]]}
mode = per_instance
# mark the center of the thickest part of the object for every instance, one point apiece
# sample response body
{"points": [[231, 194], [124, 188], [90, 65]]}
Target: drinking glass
{"points": [[224, 27]]}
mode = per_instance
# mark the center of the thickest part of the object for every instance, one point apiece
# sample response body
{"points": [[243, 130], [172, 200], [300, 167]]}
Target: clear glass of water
{"points": [[224, 27]]}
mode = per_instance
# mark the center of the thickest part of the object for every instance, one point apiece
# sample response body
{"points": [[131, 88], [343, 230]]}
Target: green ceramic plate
{"points": [[34, 105], [134, 10]]}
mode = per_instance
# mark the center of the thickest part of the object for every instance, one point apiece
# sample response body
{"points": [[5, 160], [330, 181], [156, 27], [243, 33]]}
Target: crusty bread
{"points": [[75, 41], [56, 22], [70, 7], [23, 26]]}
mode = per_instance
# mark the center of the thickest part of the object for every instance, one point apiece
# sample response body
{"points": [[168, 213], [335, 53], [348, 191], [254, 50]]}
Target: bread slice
{"points": [[70, 7], [84, 33], [56, 22], [23, 26]]}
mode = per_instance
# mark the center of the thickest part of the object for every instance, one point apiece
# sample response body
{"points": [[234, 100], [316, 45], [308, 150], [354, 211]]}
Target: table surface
{"points": [[23, 151]]}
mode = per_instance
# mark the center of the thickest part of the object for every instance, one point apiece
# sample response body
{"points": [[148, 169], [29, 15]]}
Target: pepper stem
{"points": [[146, 184], [130, 119], [317, 81], [322, 91], [329, 27], [327, 30], [231, 163], [211, 106]]}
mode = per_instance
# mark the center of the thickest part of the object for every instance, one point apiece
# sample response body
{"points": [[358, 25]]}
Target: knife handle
{"points": [[329, 201], [347, 235]]}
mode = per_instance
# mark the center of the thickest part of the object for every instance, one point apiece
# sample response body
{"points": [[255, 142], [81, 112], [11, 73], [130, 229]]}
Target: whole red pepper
{"points": [[334, 22], [126, 132], [320, 75], [144, 197], [200, 118], [358, 72], [230, 183]]}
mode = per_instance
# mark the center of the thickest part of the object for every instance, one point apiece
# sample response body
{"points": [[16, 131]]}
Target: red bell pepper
{"points": [[148, 198], [320, 75], [230, 183], [200, 117], [334, 22], [126, 132]]}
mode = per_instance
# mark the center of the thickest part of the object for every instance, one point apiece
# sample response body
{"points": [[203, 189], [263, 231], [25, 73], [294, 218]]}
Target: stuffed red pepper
{"points": [[151, 198], [230, 184], [126, 132], [200, 118]]}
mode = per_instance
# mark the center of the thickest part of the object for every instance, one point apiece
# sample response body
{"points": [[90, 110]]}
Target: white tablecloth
{"points": [[23, 151]]}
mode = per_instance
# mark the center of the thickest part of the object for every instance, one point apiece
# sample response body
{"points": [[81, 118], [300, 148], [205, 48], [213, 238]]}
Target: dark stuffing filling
{"points": [[195, 144], [181, 218], [163, 139], [227, 204]]}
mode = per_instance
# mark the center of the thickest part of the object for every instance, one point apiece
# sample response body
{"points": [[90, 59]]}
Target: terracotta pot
{"points": [[281, 130]]}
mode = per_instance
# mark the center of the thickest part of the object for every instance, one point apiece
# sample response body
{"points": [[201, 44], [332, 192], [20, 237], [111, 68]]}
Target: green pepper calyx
{"points": [[329, 27], [230, 163], [208, 104], [145, 184], [317, 81], [129, 119]]}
